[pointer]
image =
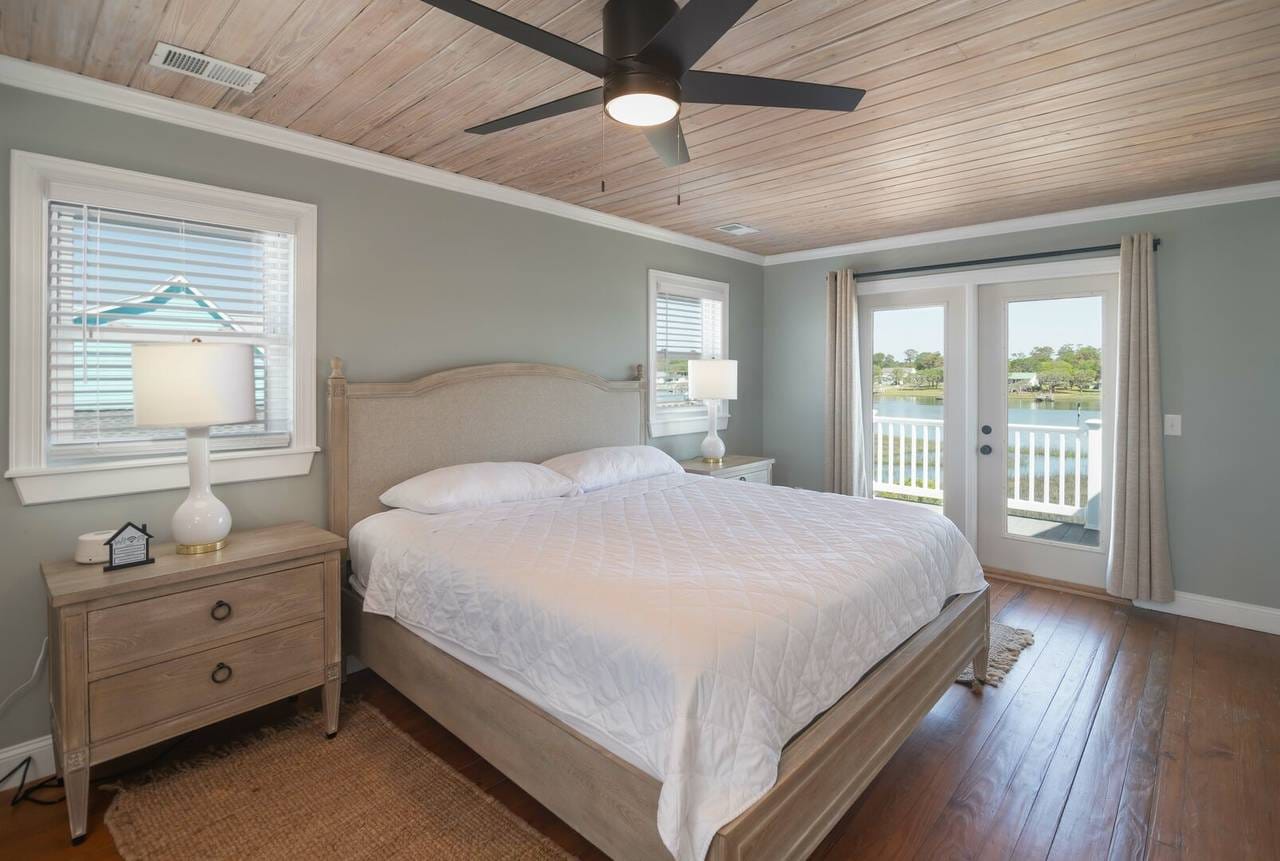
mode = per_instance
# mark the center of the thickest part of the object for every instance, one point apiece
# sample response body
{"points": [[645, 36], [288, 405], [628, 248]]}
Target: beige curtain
{"points": [[1138, 565], [846, 461]]}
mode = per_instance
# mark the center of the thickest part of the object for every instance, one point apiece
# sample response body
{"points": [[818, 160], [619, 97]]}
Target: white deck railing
{"points": [[1049, 463], [908, 457], [1050, 468]]}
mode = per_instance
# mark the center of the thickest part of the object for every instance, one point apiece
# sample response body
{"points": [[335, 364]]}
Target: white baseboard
{"points": [[1252, 616], [41, 752]]}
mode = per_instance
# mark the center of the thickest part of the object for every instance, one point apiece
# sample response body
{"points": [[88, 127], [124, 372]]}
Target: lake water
{"points": [[1065, 412]]}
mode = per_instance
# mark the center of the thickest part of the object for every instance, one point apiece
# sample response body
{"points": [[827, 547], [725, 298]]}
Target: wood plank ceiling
{"points": [[976, 110]]}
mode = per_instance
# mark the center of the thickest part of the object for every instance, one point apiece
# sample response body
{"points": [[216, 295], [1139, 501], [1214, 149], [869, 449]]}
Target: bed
{"points": [[674, 666]]}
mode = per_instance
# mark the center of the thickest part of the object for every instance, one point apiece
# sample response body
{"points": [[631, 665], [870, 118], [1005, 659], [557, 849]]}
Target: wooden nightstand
{"points": [[738, 467], [147, 653]]}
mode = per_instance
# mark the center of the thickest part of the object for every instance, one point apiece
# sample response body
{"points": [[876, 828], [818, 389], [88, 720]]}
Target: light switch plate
{"points": [[1173, 424]]}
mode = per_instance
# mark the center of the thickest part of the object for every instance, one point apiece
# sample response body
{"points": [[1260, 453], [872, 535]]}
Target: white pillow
{"points": [[470, 485], [596, 468]]}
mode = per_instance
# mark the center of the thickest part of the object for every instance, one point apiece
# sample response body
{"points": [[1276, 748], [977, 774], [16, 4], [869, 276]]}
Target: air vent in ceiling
{"points": [[205, 68], [737, 229]]}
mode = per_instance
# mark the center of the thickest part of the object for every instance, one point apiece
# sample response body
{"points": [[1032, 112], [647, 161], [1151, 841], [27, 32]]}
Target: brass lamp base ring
{"points": [[713, 460], [196, 549]]}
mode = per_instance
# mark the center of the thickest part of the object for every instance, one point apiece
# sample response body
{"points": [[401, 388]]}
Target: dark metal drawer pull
{"points": [[220, 611], [742, 478], [220, 674]]}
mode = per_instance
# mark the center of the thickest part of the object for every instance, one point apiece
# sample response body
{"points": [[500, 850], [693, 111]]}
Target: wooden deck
{"points": [[1121, 734], [1048, 530]]}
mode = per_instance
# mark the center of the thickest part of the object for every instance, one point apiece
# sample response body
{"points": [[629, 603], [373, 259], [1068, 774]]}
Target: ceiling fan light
{"points": [[642, 109]]}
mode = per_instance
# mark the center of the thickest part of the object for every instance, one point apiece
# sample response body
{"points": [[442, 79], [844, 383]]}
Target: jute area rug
{"points": [[1006, 645], [288, 793]]}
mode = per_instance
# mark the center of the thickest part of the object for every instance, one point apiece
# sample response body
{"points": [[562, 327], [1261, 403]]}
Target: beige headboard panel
{"points": [[383, 433]]}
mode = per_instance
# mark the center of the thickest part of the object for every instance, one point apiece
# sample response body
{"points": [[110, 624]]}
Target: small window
{"points": [[688, 319], [105, 259]]}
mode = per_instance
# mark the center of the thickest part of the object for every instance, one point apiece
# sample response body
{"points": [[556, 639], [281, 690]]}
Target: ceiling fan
{"points": [[650, 47]]}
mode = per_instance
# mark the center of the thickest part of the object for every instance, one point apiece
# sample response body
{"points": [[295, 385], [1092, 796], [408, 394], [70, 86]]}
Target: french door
{"points": [[1045, 412]]}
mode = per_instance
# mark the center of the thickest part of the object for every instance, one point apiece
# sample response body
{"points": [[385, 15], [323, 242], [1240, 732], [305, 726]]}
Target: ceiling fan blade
{"points": [[717, 88], [568, 104], [526, 34], [692, 31], [668, 142]]}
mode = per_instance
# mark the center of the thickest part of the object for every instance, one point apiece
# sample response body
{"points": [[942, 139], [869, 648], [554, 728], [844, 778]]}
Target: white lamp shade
{"points": [[192, 385], [713, 379]]}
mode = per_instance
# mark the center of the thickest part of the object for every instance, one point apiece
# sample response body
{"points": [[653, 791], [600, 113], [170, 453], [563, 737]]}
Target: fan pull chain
{"points": [[680, 168], [602, 122]]}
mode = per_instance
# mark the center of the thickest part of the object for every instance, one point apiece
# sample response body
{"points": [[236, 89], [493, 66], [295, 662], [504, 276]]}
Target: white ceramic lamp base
{"points": [[202, 522], [712, 445]]}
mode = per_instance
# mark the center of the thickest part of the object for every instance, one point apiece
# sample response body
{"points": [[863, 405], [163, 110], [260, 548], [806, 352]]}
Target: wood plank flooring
{"points": [[1121, 733]]}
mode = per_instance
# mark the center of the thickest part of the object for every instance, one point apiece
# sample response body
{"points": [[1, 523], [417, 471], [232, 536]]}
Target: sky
{"points": [[1031, 324]]}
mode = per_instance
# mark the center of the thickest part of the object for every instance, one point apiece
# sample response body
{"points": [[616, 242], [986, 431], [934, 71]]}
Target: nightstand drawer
{"points": [[139, 698], [129, 633], [759, 476]]}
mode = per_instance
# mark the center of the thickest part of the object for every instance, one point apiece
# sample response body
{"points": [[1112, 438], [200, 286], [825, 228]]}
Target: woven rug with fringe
{"points": [[1006, 645], [288, 793]]}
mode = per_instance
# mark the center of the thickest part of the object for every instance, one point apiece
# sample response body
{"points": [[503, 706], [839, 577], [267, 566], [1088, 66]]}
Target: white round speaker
{"points": [[91, 548]]}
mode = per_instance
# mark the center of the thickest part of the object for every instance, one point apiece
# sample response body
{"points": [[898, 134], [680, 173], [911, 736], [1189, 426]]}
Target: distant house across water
{"points": [[1021, 381]]}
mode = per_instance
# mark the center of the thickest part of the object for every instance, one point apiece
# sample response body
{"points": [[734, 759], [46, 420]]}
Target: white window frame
{"points": [[691, 419], [34, 181]]}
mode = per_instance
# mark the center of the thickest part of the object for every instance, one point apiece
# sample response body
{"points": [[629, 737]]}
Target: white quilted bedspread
{"points": [[696, 624]]}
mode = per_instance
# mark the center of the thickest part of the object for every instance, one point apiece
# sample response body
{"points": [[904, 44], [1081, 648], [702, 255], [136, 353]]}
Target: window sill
{"points": [[59, 484], [684, 424]]}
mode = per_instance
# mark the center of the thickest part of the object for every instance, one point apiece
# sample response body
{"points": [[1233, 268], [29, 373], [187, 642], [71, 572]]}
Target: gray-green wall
{"points": [[1218, 277], [411, 279]]}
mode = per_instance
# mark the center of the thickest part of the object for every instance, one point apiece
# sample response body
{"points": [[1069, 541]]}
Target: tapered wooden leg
{"points": [[332, 697], [75, 782], [980, 665]]}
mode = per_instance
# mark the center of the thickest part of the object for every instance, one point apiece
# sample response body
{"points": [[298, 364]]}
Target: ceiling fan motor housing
{"points": [[629, 25]]}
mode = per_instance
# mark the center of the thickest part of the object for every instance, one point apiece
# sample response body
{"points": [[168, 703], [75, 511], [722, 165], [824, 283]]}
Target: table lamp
{"points": [[710, 381], [194, 386]]}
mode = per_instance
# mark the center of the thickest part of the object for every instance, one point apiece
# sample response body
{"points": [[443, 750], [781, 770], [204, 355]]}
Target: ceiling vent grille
{"points": [[205, 68], [737, 229]]}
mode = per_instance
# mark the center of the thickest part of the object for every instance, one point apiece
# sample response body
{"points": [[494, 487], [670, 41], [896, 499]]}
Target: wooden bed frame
{"points": [[382, 433]]}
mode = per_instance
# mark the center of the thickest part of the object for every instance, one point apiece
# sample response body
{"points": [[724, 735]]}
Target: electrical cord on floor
{"points": [[35, 674], [52, 781]]}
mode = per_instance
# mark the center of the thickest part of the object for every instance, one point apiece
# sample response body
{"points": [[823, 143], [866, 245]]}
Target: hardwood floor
{"points": [[1121, 733]]}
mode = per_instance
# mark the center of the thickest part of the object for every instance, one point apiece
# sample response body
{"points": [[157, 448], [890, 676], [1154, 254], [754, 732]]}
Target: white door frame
{"points": [[955, 411], [969, 280]]}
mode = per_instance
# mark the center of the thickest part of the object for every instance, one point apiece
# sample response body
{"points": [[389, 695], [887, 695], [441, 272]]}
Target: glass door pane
{"points": [[1054, 408], [907, 385]]}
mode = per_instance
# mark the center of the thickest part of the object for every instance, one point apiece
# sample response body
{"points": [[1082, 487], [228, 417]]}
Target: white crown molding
{"points": [[1192, 200], [1255, 617], [67, 85]]}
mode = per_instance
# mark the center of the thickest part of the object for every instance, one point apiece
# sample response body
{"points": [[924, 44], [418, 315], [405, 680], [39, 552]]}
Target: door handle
{"points": [[986, 449]]}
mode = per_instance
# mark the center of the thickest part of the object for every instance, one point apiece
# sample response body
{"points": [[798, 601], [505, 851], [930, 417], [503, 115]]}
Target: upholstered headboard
{"points": [[383, 433]]}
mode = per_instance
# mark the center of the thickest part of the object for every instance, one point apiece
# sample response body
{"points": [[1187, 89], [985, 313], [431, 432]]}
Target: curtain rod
{"points": [[1039, 255]]}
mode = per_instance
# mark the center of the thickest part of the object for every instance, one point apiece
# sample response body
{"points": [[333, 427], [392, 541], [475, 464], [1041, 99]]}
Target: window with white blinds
{"points": [[687, 322], [686, 328], [118, 278]]}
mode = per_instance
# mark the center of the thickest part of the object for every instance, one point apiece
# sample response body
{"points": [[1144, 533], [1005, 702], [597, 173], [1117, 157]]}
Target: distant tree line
{"points": [[1070, 366], [916, 369]]}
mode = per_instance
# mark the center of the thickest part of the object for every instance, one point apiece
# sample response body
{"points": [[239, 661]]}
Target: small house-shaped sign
{"points": [[130, 546]]}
